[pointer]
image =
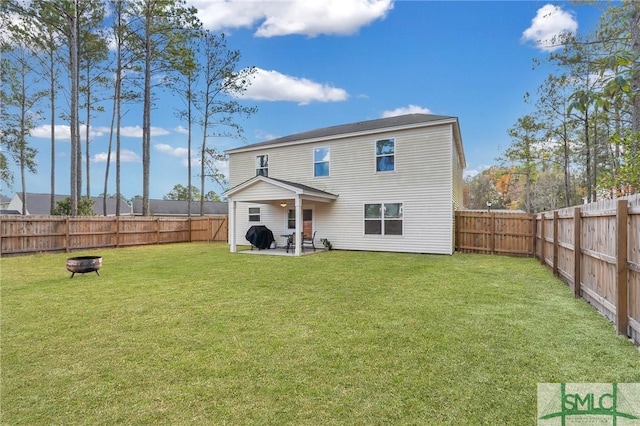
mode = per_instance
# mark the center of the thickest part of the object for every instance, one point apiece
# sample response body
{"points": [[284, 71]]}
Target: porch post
{"points": [[298, 235], [232, 225]]}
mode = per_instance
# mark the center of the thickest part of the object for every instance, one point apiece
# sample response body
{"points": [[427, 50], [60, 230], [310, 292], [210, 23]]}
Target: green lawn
{"points": [[191, 334]]}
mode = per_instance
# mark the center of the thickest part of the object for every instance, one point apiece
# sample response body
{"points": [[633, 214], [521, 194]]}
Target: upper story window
{"points": [[254, 214], [383, 219], [385, 155], [262, 165], [321, 158]]}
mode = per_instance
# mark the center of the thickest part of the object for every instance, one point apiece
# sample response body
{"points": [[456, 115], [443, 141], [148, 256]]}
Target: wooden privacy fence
{"points": [[595, 248], [33, 234], [495, 233]]}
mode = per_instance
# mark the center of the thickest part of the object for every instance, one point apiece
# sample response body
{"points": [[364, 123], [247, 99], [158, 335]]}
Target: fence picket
{"points": [[34, 234], [595, 249]]}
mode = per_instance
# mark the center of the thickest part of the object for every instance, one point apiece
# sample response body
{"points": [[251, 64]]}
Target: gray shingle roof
{"points": [[180, 207], [361, 126], [40, 204], [301, 186]]}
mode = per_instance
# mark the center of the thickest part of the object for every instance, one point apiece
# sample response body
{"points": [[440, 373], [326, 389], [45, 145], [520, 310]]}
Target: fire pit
{"points": [[84, 264]]}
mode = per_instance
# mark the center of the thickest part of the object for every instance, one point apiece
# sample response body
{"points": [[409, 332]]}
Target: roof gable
{"points": [[293, 187]]}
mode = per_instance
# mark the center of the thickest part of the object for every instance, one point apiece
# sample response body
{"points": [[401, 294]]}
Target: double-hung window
{"points": [[254, 214], [385, 155], [321, 158], [383, 219], [262, 165]]}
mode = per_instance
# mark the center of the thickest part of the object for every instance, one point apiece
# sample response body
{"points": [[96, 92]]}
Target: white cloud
{"points": [[126, 156], [63, 132], [410, 109], [469, 173], [265, 136], [136, 131], [274, 86], [548, 27], [181, 130], [223, 166], [182, 154], [174, 152], [17, 21], [278, 18], [216, 15]]}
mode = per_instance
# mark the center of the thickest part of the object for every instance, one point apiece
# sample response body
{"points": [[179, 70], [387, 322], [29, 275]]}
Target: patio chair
{"points": [[309, 241], [306, 241]]}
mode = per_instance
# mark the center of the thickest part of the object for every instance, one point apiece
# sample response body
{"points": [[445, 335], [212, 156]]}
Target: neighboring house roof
{"points": [[179, 207], [40, 204], [370, 126], [294, 187], [9, 212]]}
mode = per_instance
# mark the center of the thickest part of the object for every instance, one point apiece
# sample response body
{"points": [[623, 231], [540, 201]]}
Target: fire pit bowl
{"points": [[84, 264]]}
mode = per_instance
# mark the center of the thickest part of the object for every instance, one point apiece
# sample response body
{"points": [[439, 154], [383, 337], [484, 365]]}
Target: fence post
{"points": [[622, 269], [577, 251], [117, 231], [66, 235], [492, 233], [456, 225], [556, 219], [542, 238], [534, 230]]}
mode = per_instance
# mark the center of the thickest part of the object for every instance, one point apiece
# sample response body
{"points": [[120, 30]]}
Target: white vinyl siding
{"points": [[263, 191], [270, 216], [423, 181]]}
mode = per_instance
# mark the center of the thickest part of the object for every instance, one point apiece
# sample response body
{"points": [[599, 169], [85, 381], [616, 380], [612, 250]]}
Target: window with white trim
{"points": [[262, 165], [254, 214], [383, 219], [385, 155], [321, 158]]}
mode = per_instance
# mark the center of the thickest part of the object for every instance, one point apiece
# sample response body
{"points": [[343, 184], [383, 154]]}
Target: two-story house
{"points": [[391, 184]]}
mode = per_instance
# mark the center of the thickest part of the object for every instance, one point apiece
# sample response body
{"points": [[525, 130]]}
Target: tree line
{"points": [[119, 52], [581, 142]]}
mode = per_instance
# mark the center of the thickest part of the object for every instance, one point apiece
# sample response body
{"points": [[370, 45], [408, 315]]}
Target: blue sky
{"points": [[328, 62]]}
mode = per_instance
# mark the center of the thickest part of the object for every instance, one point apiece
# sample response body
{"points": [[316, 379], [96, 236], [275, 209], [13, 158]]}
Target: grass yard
{"points": [[191, 334]]}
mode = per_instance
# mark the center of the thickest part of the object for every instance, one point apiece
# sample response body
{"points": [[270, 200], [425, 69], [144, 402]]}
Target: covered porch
{"points": [[276, 193]]}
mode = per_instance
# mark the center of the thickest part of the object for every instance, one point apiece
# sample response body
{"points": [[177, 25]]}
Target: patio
{"points": [[281, 251]]}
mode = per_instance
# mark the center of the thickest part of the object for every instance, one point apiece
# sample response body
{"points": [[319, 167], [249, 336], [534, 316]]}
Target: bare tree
{"points": [[19, 96], [217, 107], [161, 27]]}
